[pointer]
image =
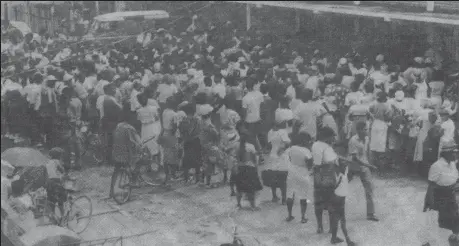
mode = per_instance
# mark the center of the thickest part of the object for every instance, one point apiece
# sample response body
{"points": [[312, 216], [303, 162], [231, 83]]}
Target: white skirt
{"points": [[378, 136], [149, 136]]}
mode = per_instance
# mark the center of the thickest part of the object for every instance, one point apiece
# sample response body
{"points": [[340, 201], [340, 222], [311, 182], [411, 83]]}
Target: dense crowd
{"points": [[214, 97]]}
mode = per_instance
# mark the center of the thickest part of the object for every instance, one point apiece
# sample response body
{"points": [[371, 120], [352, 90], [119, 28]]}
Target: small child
{"points": [[56, 172]]}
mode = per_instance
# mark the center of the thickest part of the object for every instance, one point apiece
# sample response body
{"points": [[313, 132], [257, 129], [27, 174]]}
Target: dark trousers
{"points": [[46, 127], [69, 145], [34, 126], [108, 141], [337, 214]]}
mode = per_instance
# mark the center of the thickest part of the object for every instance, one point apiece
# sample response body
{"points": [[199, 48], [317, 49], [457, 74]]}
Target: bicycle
{"points": [[125, 178], [75, 210], [91, 142]]}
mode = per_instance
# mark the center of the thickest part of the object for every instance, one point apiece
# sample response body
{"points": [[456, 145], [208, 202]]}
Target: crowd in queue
{"points": [[212, 98]]}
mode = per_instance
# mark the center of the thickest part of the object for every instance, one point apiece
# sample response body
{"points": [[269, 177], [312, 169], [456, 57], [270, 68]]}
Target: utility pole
{"points": [[248, 17], [6, 10], [430, 6], [97, 7]]}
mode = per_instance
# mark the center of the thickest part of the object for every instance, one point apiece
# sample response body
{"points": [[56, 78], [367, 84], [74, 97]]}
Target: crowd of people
{"points": [[213, 97]]}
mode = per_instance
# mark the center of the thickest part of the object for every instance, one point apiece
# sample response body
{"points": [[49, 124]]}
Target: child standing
{"points": [[55, 189]]}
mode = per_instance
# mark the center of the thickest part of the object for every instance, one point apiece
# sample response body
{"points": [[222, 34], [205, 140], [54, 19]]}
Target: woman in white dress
{"points": [[151, 126], [422, 88], [381, 113]]}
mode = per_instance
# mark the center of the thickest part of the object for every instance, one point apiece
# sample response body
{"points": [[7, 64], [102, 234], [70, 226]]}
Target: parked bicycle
{"points": [[77, 212], [126, 178], [91, 143]]}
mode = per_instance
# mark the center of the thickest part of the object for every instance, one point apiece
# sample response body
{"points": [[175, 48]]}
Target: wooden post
{"points": [[356, 25], [298, 20], [430, 6], [456, 42], [97, 7], [248, 17], [52, 20], [27, 13], [5, 13]]}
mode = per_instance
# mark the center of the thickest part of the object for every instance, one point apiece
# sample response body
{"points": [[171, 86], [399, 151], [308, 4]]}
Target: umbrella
{"points": [[24, 157], [50, 235]]}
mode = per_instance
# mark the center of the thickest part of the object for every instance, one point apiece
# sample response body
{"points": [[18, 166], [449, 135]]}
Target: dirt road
{"points": [[192, 215]]}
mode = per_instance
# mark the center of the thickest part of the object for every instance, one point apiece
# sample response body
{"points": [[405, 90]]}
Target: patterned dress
{"points": [[190, 129], [211, 153]]}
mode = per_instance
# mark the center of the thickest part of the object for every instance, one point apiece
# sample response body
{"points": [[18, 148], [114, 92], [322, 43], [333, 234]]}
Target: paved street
{"points": [[197, 216]]}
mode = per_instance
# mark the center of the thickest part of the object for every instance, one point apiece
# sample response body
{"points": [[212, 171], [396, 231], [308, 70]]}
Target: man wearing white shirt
{"points": [[306, 114], [219, 88], [358, 150], [251, 104]]}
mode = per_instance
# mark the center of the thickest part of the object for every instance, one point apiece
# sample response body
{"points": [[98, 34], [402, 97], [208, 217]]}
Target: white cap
{"points": [[399, 95], [51, 78]]}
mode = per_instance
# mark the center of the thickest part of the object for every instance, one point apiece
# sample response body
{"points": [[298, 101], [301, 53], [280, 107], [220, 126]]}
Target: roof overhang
{"points": [[376, 12]]}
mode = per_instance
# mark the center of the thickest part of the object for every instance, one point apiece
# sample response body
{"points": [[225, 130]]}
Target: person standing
{"points": [[381, 113], [307, 113], [440, 196], [251, 104], [190, 130], [324, 157], [127, 148], [111, 112], [358, 150], [151, 126]]}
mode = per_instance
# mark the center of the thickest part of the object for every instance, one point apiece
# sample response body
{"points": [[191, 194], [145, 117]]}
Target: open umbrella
{"points": [[50, 235], [24, 157]]}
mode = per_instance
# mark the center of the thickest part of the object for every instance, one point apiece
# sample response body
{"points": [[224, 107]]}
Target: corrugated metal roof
{"points": [[375, 11]]}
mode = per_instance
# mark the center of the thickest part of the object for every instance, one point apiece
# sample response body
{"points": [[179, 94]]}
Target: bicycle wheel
{"points": [[97, 150], [79, 214], [150, 174], [122, 187]]}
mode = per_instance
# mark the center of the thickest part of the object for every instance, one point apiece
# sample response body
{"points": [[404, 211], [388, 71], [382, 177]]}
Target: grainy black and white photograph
{"points": [[229, 123]]}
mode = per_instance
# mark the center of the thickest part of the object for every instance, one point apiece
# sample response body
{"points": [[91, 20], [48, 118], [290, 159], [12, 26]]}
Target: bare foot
{"points": [[336, 240]]}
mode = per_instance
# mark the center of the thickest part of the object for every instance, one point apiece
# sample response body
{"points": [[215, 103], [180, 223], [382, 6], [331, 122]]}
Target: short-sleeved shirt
{"points": [[307, 114], [166, 91], [89, 83], [359, 148], [443, 173], [299, 155], [52, 167], [323, 153], [251, 102]]}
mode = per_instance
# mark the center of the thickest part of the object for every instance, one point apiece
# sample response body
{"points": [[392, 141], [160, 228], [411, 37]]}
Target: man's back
{"points": [[126, 144]]}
